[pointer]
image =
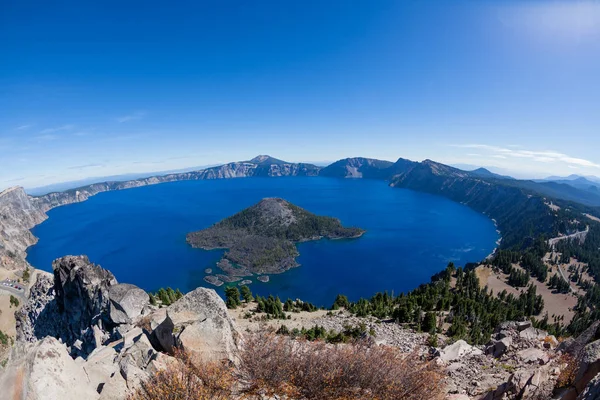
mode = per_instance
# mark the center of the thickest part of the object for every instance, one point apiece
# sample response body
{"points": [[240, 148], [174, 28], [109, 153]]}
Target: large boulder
{"points": [[592, 390], [458, 350], [533, 334], [126, 302], [497, 348], [45, 370], [533, 356], [200, 325], [589, 365]]}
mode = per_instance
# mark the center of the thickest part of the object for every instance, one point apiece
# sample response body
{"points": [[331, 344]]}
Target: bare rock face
{"points": [[201, 326], [17, 216], [126, 302], [83, 306], [592, 390], [45, 370], [37, 318], [589, 366], [82, 294]]}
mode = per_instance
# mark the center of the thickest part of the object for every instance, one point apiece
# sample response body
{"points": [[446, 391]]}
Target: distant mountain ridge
{"points": [[487, 192], [360, 167]]}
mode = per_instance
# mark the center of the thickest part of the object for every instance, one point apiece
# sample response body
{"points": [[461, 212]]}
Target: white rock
{"points": [[46, 371], [458, 350]]}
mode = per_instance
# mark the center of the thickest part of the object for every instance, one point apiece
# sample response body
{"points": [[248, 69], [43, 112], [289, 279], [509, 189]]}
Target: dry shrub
{"points": [[184, 380], [566, 377], [276, 365]]}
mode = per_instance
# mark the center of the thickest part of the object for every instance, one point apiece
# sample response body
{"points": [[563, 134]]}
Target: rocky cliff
{"points": [[519, 214], [17, 216], [82, 335], [258, 166]]}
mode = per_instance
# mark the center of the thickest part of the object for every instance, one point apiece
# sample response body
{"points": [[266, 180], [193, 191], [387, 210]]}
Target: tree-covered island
{"points": [[262, 239]]}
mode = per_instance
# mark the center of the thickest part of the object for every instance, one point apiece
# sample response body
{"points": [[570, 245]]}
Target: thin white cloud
{"points": [[46, 137], [86, 166], [57, 129], [575, 20], [23, 127], [132, 117], [539, 156]]}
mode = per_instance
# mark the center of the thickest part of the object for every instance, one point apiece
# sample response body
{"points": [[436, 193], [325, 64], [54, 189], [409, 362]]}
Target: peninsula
{"points": [[261, 239]]}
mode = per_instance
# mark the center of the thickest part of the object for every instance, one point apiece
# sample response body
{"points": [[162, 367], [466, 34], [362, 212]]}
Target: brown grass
{"points": [[275, 365], [272, 365], [184, 380]]}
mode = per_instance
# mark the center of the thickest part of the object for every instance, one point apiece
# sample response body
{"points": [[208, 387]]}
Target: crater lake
{"points": [[139, 235]]}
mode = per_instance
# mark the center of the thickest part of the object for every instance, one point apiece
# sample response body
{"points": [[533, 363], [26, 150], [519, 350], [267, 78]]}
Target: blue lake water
{"points": [[139, 234]]}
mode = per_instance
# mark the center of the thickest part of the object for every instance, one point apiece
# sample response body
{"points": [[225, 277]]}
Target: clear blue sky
{"points": [[96, 88]]}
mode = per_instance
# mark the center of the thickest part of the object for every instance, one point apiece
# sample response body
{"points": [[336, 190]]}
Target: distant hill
{"points": [[486, 173], [575, 181], [264, 160]]}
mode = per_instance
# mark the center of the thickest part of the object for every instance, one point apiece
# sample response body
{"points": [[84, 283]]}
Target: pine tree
{"points": [[232, 297], [246, 293]]}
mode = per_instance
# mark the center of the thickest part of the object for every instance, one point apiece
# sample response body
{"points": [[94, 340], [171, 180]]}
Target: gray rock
{"points": [[521, 326], [498, 348], [533, 356], [203, 326], [126, 302], [45, 370], [74, 307], [162, 332], [458, 350], [589, 365], [17, 216], [531, 333], [592, 390]]}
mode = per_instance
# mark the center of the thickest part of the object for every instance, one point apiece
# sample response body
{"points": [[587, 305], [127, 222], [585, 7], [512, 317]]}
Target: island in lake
{"points": [[262, 239]]}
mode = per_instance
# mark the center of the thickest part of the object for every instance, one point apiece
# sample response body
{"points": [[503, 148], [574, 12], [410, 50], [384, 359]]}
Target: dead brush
{"points": [[184, 380], [277, 366]]}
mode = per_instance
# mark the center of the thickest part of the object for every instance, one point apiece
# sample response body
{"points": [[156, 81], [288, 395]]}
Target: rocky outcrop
{"points": [[17, 216], [83, 306], [514, 366], [126, 302], [199, 324], [45, 370], [82, 335]]}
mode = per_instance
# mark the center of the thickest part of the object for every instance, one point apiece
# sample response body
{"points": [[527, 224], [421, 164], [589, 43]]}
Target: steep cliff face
{"points": [[258, 166], [82, 305], [17, 216], [517, 212], [359, 167]]}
